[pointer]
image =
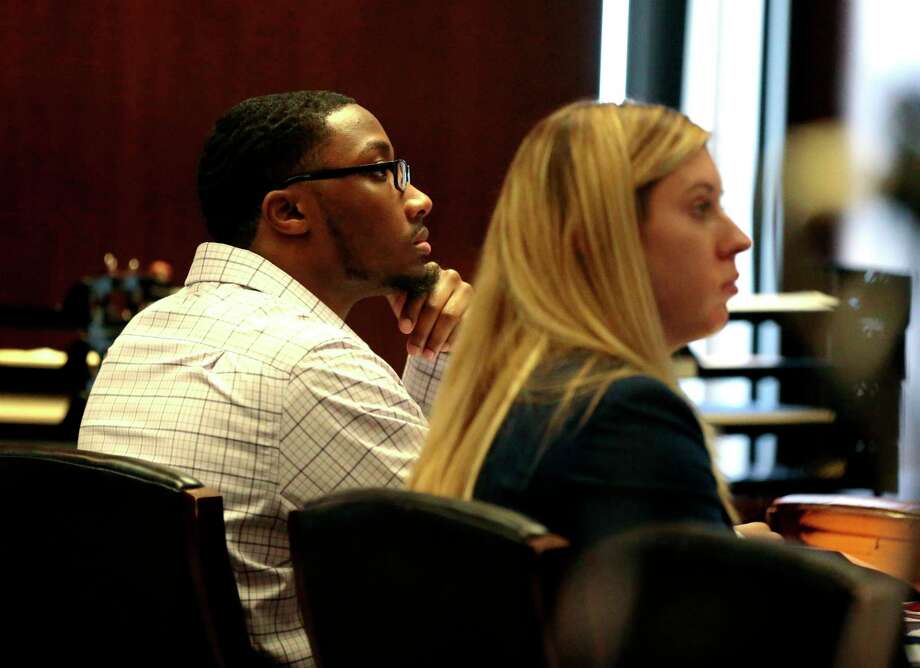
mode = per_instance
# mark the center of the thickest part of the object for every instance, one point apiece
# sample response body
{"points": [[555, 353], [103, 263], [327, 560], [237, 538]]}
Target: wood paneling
{"points": [[107, 103]]}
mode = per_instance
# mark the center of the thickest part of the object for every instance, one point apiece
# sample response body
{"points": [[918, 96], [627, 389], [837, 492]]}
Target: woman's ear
{"points": [[288, 213]]}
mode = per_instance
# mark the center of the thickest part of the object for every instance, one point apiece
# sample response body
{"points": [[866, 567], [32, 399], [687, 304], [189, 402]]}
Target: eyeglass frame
{"points": [[339, 172]]}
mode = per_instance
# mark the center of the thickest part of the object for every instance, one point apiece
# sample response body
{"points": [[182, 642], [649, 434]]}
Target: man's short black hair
{"points": [[252, 148]]}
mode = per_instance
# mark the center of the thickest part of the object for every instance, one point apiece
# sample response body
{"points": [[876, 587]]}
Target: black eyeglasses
{"points": [[400, 169]]}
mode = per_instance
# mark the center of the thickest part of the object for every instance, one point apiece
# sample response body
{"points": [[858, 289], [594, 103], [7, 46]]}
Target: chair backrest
{"points": [[108, 560], [695, 597], [397, 578]]}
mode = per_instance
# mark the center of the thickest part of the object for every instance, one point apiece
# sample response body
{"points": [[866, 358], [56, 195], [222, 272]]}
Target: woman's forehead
{"points": [[696, 172]]}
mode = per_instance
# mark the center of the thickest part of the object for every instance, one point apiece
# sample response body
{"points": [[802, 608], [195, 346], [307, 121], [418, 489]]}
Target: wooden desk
{"points": [[884, 534]]}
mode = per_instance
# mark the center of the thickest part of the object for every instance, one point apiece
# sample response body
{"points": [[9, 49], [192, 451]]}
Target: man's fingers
{"points": [[397, 301], [449, 344], [405, 309], [431, 305], [408, 318], [440, 315], [448, 324]]}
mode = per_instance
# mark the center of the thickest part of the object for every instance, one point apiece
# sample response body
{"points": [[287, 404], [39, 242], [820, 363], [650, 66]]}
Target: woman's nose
{"points": [[735, 240]]}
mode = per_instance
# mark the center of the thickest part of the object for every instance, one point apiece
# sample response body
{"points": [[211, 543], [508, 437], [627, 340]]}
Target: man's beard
{"points": [[413, 286]]}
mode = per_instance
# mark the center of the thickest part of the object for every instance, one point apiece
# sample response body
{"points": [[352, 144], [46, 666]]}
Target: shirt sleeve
{"points": [[347, 421], [422, 379]]}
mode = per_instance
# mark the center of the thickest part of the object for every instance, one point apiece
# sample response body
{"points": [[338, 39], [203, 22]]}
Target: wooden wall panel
{"points": [[106, 104]]}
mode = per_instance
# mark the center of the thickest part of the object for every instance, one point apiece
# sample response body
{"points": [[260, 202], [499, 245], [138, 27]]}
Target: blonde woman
{"points": [[607, 251]]}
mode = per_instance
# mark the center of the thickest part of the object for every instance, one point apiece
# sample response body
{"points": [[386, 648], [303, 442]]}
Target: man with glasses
{"points": [[248, 378]]}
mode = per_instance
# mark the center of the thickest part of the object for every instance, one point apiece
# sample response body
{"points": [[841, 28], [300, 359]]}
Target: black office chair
{"points": [[396, 578], [681, 596], [111, 561]]}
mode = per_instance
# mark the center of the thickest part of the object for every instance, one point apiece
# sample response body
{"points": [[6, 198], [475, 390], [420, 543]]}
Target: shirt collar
{"points": [[220, 263]]}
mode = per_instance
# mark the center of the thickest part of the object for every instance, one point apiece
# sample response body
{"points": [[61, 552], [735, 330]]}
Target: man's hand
{"points": [[757, 531], [431, 320]]}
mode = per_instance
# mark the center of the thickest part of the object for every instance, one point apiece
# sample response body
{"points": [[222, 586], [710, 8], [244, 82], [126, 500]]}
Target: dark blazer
{"points": [[639, 459]]}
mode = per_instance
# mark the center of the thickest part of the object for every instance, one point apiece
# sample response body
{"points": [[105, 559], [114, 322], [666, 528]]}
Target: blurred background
{"points": [[814, 111]]}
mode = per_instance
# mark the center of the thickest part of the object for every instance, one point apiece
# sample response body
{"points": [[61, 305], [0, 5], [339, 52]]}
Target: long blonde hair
{"points": [[562, 273]]}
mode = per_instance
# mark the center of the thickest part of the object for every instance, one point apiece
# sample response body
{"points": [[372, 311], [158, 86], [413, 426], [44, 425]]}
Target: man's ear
{"points": [[288, 213]]}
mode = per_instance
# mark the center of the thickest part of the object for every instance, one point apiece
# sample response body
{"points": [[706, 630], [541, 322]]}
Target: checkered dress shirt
{"points": [[246, 381]]}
